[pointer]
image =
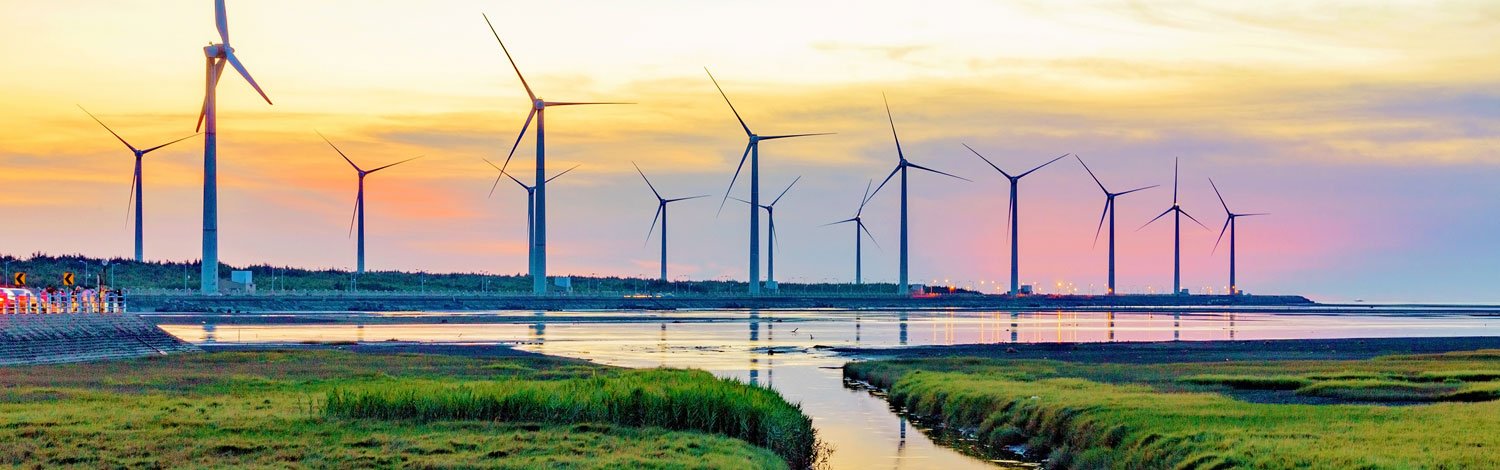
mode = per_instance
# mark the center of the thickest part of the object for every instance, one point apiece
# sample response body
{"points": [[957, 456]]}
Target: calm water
{"points": [[777, 350]]}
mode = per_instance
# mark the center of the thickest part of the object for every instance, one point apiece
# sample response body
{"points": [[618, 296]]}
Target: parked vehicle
{"points": [[10, 297]]}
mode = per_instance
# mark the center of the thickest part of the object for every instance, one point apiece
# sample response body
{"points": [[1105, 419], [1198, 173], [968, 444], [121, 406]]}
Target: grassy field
{"points": [[334, 409], [1429, 411]]}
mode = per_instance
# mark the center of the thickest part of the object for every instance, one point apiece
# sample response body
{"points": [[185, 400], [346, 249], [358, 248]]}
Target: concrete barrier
{"points": [[27, 339]]}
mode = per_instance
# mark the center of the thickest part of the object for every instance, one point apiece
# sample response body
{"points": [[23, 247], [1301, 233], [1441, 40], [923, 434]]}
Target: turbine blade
{"points": [[523, 185], [845, 221], [774, 239], [394, 164], [1091, 175], [1190, 217], [865, 199], [920, 167], [1137, 189], [1248, 215], [986, 160], [130, 201], [496, 184], [168, 143], [1038, 167], [1221, 196], [726, 101], [218, 71], [688, 198], [235, 61], [574, 167], [111, 131], [508, 57], [1163, 214], [1010, 209], [784, 191], [1227, 221], [581, 103], [354, 214], [741, 200], [1174, 181], [892, 120], [221, 19], [659, 208], [871, 235], [883, 182], [736, 176], [341, 152], [1100, 229], [513, 147], [648, 180], [774, 137]]}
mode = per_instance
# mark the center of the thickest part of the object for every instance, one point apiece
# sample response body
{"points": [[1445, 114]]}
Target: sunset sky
{"points": [[1369, 130]]}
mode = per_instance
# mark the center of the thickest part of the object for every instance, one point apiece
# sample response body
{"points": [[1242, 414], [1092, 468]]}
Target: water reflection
{"points": [[747, 345]]}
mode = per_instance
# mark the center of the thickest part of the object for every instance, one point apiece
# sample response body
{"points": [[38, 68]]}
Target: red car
{"points": [[10, 297]]}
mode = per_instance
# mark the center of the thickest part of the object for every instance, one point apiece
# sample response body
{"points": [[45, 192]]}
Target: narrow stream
{"points": [[783, 350]]}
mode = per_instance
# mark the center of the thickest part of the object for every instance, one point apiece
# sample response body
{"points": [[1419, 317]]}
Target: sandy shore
{"points": [[1189, 351]]}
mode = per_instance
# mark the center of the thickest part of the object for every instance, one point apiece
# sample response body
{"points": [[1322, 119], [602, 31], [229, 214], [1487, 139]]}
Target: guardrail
{"points": [[66, 302]]}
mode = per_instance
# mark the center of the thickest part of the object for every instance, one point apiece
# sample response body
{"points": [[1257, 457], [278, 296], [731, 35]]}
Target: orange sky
{"points": [[1369, 130]]}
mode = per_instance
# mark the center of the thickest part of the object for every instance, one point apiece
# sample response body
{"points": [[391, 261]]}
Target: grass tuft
{"points": [[670, 399]]}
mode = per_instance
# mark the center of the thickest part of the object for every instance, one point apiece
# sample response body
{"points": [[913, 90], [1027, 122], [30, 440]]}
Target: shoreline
{"points": [[1164, 352], [376, 302]]}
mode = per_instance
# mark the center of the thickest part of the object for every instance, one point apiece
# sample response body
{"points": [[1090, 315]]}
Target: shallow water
{"points": [[777, 349]]}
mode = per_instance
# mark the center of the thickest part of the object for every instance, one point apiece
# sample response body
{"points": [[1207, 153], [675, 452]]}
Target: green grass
{"points": [[1186, 415], [671, 399], [272, 409]]}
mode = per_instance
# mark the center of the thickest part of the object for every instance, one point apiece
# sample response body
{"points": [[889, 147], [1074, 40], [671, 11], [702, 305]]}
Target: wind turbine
{"points": [[538, 112], [359, 201], [208, 121], [1013, 217], [1109, 211], [1229, 224], [752, 151], [902, 286], [771, 228], [859, 225], [530, 208], [136, 193], [1176, 232], [661, 212]]}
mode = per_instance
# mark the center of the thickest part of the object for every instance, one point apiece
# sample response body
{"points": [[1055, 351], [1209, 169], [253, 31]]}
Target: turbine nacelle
{"points": [[539, 104], [217, 51]]}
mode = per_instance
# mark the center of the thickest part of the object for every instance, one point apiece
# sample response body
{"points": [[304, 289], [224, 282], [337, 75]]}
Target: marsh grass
{"points": [[268, 409], [1250, 382], [1150, 416], [670, 399]]}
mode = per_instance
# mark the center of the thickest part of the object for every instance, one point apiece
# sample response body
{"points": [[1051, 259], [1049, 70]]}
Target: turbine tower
{"points": [[752, 151], [1109, 211], [538, 112], [661, 213], [859, 226], [1176, 232], [771, 229], [530, 209], [902, 286], [1229, 224], [359, 202], [136, 193], [1013, 217], [208, 121]]}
